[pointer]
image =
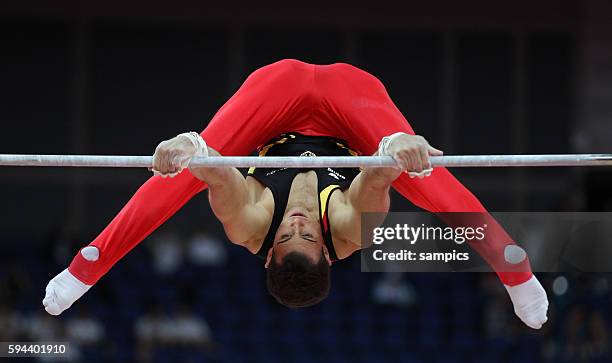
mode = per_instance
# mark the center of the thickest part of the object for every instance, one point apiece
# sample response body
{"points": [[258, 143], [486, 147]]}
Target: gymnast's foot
{"points": [[530, 302], [64, 289]]}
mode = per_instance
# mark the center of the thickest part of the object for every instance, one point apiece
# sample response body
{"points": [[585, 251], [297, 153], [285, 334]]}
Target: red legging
{"points": [[320, 100]]}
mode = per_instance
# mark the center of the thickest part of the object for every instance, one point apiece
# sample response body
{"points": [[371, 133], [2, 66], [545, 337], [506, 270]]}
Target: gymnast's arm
{"points": [[369, 191], [233, 202], [231, 199]]}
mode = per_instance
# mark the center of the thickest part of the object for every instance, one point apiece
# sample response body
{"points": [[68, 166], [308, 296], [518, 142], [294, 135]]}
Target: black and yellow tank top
{"points": [[279, 180]]}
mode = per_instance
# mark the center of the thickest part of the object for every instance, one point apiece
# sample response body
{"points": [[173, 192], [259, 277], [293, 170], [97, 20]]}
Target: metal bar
{"points": [[120, 161]]}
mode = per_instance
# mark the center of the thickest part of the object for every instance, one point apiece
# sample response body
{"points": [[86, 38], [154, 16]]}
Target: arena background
{"points": [[473, 77]]}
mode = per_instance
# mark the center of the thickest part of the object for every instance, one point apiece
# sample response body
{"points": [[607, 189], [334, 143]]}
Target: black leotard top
{"points": [[279, 180]]}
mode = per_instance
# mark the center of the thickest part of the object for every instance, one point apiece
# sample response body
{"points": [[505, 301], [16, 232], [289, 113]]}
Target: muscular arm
{"points": [[369, 191], [233, 202], [228, 192]]}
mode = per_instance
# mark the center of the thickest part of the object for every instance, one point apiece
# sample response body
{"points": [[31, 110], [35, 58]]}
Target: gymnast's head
{"points": [[298, 263]]}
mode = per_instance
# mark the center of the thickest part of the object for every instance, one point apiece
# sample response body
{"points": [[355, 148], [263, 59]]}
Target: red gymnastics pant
{"points": [[320, 100]]}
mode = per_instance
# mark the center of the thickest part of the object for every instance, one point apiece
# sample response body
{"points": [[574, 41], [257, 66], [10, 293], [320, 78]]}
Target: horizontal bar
{"points": [[120, 161]]}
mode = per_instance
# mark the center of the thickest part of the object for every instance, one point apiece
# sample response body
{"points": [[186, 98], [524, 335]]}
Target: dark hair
{"points": [[297, 282]]}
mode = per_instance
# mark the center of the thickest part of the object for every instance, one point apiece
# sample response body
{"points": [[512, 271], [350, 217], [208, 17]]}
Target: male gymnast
{"points": [[298, 220]]}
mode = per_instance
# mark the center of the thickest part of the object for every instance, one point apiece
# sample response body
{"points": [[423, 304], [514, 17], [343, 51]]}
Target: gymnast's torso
{"points": [[318, 190]]}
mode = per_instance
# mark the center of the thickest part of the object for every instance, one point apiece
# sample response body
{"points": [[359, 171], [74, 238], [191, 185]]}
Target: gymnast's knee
{"points": [[85, 265], [90, 253]]}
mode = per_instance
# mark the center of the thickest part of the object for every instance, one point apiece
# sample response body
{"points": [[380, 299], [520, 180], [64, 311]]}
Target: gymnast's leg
{"points": [[271, 101], [359, 103]]}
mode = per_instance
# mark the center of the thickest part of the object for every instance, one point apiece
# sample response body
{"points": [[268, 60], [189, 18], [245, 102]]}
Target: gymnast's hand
{"points": [[172, 156], [411, 152]]}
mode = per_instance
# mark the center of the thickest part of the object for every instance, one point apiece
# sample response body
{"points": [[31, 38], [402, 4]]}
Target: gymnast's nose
{"points": [[297, 223]]}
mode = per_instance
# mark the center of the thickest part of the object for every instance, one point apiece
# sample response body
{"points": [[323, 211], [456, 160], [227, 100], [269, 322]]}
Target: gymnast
{"points": [[298, 220]]}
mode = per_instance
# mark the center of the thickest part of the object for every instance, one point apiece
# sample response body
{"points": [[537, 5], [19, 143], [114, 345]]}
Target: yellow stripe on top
{"points": [[351, 151], [265, 149], [324, 197]]}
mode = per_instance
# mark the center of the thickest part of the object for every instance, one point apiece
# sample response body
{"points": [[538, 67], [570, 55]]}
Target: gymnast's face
{"points": [[298, 232]]}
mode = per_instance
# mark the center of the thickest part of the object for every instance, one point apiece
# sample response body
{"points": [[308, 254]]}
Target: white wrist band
{"points": [[382, 151], [384, 143], [197, 141], [201, 150]]}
